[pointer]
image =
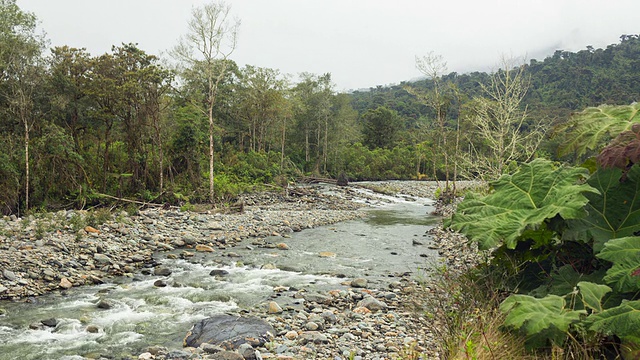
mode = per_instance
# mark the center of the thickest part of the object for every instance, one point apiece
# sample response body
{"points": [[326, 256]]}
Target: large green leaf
{"points": [[622, 320], [592, 128], [564, 280], [547, 317], [592, 295], [614, 214], [624, 253], [537, 191]]}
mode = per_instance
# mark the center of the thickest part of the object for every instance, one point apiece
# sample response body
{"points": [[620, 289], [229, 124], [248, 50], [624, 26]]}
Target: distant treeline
{"points": [[76, 126]]}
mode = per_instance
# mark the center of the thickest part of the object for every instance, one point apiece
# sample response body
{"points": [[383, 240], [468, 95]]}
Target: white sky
{"points": [[362, 43]]}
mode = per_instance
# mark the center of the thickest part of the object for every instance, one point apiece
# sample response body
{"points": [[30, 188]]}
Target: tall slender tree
{"points": [[211, 38]]}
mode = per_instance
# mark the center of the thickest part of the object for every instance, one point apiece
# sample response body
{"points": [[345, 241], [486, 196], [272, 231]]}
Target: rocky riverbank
{"points": [[59, 251]]}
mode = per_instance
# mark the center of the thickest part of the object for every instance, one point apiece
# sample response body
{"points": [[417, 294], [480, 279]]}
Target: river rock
{"points": [[326, 254], [178, 355], [359, 283], [313, 337], [372, 303], [311, 326], [91, 230], [226, 355], [274, 308], [104, 304], [214, 225], [146, 356], [204, 248], [92, 329], [9, 275], [101, 258], [218, 272], [318, 298], [49, 322], [3, 289], [247, 351], [65, 283], [229, 332], [162, 271]]}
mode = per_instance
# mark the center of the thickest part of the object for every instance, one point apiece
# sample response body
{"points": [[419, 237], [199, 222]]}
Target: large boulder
{"points": [[342, 179], [229, 332]]}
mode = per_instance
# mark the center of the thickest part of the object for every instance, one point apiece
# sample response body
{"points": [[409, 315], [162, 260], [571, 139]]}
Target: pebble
{"points": [[9, 275], [274, 308], [204, 248], [65, 283]]}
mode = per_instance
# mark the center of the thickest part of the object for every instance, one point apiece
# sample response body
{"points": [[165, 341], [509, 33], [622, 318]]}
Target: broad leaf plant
{"points": [[578, 232]]}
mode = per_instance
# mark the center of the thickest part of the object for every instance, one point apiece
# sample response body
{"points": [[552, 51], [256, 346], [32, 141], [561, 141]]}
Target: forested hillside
{"points": [[76, 126]]}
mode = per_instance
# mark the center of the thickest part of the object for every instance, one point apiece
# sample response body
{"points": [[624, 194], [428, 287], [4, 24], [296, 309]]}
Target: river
{"points": [[389, 242]]}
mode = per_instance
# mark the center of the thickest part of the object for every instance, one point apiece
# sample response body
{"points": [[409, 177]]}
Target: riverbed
{"points": [[386, 245]]}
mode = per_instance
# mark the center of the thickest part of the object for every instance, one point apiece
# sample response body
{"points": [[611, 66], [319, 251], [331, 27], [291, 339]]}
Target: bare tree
{"points": [[211, 39], [434, 67], [502, 123]]}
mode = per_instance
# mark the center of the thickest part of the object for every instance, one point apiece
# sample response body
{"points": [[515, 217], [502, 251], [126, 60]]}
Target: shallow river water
{"points": [[389, 242]]}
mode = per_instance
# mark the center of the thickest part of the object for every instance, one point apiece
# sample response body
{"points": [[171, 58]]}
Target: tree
{"points": [[261, 94], [506, 132], [380, 128], [433, 67], [313, 97], [20, 71], [210, 40]]}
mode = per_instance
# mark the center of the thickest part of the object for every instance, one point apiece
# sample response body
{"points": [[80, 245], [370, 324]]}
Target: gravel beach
{"points": [[57, 251]]}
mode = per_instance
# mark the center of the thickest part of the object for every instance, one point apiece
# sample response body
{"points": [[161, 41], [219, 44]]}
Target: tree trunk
{"points": [[211, 191], [326, 143], [26, 163], [284, 132]]}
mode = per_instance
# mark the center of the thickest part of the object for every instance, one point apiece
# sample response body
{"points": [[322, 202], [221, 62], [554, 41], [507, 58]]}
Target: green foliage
{"points": [[521, 204], [98, 217], [77, 222], [624, 253], [622, 320], [187, 207], [380, 128], [592, 295], [543, 319], [614, 214], [361, 163], [592, 128], [600, 215]]}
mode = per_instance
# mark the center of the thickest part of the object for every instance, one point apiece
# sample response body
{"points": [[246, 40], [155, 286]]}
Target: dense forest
{"points": [[76, 127]]}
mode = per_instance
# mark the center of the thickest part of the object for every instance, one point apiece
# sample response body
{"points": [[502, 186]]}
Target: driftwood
{"points": [[131, 201], [316, 180]]}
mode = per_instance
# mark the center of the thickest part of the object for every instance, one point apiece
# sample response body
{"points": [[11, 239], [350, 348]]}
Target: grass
{"points": [[466, 321]]}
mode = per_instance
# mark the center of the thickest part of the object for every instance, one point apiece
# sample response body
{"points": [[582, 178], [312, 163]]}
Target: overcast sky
{"points": [[362, 43]]}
